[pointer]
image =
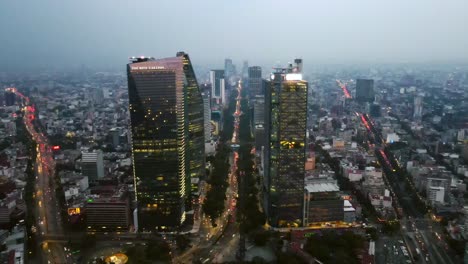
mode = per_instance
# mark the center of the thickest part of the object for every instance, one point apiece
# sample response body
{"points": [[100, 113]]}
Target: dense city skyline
{"points": [[296, 132], [102, 33]]}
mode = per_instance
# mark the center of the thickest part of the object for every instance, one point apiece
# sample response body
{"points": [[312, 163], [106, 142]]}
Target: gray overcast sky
{"points": [[107, 32]]}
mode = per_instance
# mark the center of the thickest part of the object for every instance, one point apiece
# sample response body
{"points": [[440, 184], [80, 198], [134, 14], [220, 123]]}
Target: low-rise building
{"points": [[108, 213], [436, 194], [322, 201], [349, 212]]}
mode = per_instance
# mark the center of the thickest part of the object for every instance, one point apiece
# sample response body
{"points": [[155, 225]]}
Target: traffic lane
{"points": [[46, 221], [434, 248], [414, 244]]}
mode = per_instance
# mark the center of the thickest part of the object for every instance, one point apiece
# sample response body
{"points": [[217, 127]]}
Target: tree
{"points": [[183, 242], [5, 144], [336, 124], [89, 241], [332, 247], [260, 238], [258, 260], [391, 227], [216, 195], [157, 251]]}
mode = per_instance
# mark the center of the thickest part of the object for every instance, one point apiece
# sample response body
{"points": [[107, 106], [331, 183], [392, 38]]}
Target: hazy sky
{"points": [[107, 32]]}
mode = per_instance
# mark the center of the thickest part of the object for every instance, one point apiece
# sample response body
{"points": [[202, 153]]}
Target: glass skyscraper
{"points": [[285, 155], [255, 81], [166, 113], [194, 109], [217, 83], [365, 90]]}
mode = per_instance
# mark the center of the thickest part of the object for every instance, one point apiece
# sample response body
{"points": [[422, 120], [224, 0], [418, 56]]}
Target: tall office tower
{"points": [[223, 92], [245, 69], [365, 90], [255, 82], [259, 110], [10, 98], [92, 165], [286, 120], [194, 109], [207, 116], [229, 68], [217, 83], [259, 121], [417, 114], [166, 114]]}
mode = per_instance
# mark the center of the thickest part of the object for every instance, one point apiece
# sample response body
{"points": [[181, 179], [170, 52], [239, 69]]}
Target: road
{"points": [[417, 229], [46, 209], [219, 244], [416, 226]]}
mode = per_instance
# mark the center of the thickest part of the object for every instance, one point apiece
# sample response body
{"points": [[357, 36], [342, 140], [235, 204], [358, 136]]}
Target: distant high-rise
{"points": [[217, 84], [10, 98], [259, 110], [245, 69], [207, 116], [255, 82], [229, 68], [286, 120], [92, 165], [417, 114], [166, 114], [365, 90], [259, 121]]}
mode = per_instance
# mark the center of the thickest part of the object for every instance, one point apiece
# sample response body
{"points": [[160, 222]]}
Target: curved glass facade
{"points": [[164, 132]]}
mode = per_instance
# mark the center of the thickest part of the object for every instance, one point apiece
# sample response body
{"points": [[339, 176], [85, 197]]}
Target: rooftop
{"points": [[322, 187]]}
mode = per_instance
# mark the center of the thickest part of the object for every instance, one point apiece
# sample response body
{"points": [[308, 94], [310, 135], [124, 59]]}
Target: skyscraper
{"points": [[417, 113], [259, 110], [259, 121], [365, 90], [194, 111], [245, 69], [166, 114], [10, 98], [228, 68], [255, 81], [207, 116], [217, 83], [286, 120]]}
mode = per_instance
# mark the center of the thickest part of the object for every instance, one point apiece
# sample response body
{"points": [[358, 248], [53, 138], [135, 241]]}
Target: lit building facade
{"points": [[166, 114], [107, 214], [194, 110], [285, 123]]}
